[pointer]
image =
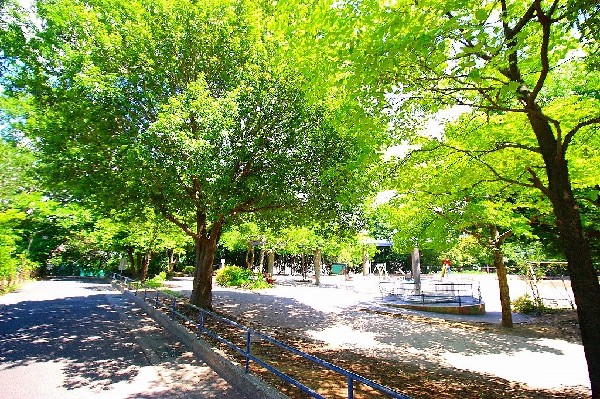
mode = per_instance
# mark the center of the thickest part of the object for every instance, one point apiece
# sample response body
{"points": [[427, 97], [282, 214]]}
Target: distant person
{"points": [[446, 268]]}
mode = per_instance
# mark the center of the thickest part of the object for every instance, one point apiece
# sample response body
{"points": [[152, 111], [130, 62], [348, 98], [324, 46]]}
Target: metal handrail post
{"points": [[248, 347], [350, 387], [174, 306]]}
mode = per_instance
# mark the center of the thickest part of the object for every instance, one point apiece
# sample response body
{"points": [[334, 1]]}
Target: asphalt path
{"points": [[69, 338]]}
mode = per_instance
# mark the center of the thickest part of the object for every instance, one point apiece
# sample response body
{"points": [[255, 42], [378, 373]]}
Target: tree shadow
{"points": [[84, 333], [397, 334], [391, 349]]}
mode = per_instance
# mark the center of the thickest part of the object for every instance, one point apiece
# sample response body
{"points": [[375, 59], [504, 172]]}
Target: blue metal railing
{"points": [[249, 334]]}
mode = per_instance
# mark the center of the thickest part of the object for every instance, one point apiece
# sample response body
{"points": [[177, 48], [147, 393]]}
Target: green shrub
{"points": [[235, 276], [157, 281], [526, 304], [259, 283], [189, 269]]}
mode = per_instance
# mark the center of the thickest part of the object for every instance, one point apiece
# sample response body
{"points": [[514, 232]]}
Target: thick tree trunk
{"points": [[507, 320], [270, 262], [146, 265], [130, 258], [202, 287], [317, 263], [365, 262], [206, 246], [584, 280], [138, 266], [250, 256]]}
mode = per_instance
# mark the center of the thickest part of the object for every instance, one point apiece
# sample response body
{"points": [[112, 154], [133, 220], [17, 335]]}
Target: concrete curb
{"points": [[248, 385]]}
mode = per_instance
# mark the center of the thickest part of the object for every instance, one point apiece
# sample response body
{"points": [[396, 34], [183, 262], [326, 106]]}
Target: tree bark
{"points": [[146, 264], [584, 280], [261, 260], [138, 266], [173, 258], [206, 246], [130, 258], [250, 256], [365, 262], [270, 262], [202, 287], [317, 263], [507, 320]]}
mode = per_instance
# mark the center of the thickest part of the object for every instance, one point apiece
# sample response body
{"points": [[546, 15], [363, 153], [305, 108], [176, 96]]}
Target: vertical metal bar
{"points": [[156, 300], [174, 306], [350, 388], [145, 294], [248, 346]]}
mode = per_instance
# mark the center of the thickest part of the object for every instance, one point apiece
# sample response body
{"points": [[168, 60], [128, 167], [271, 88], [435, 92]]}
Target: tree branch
{"points": [[536, 182], [171, 218], [489, 167], [575, 129], [546, 23], [500, 239]]}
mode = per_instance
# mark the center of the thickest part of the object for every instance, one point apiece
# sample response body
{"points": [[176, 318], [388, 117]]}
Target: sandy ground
{"points": [[347, 314]]}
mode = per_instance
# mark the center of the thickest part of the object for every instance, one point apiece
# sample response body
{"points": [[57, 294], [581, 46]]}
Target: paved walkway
{"points": [[72, 339]]}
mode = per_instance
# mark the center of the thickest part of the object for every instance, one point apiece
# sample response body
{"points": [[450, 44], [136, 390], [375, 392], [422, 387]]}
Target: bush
{"points": [[235, 276], [189, 269], [157, 281], [527, 305]]}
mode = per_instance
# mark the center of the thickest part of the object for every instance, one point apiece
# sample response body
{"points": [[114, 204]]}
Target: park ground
{"points": [[423, 355], [105, 348]]}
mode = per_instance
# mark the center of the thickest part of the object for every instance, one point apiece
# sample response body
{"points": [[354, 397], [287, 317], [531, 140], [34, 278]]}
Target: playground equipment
{"points": [[441, 296]]}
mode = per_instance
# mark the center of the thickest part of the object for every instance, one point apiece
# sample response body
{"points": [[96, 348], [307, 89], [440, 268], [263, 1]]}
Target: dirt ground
{"points": [[417, 380], [412, 353]]}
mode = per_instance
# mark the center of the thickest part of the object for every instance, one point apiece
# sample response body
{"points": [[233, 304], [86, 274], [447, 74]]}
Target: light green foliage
{"points": [[255, 149], [8, 238], [238, 236], [106, 68], [156, 281], [467, 252], [301, 240], [186, 108], [235, 276]]}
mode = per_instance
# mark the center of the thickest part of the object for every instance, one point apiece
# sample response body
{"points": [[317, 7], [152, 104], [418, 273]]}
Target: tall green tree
{"points": [[259, 148], [516, 59], [177, 105]]}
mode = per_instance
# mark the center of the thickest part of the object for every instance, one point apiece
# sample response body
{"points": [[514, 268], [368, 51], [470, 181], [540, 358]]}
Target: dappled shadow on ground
{"points": [[384, 331], [402, 351], [82, 333], [183, 378]]}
